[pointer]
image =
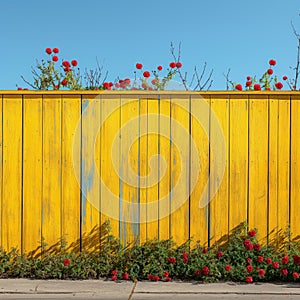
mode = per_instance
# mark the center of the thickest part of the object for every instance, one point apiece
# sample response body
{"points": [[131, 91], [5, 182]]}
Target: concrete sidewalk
{"points": [[100, 289]]}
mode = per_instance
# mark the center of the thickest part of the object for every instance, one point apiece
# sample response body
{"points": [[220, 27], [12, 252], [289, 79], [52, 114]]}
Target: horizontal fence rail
{"points": [[155, 165]]}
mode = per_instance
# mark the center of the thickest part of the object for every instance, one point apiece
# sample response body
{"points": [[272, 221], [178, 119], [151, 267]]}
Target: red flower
{"points": [[268, 261], [295, 275], [172, 65], [256, 247], [257, 87], [155, 278], [74, 62], [55, 50], [144, 85], [249, 279], [48, 50], [55, 58], [260, 259], [284, 271], [179, 65], [114, 272], [249, 268], [219, 254], [166, 274], [252, 232], [278, 85], [64, 82], [275, 264], [25, 89], [66, 64], [285, 260], [204, 250], [261, 272], [67, 69], [284, 77], [248, 260], [56, 87], [248, 83], [107, 85], [168, 279], [205, 270], [248, 78], [248, 245], [146, 74], [114, 278], [117, 85], [228, 268], [198, 272], [159, 68], [150, 276], [270, 71], [154, 81], [267, 89], [139, 66], [296, 259], [19, 89], [125, 276], [66, 262], [185, 260], [172, 260], [239, 87], [272, 62], [127, 80]]}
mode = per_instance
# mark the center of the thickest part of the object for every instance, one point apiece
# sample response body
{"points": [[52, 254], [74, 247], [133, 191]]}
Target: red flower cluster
{"points": [[205, 270], [185, 258], [153, 277], [248, 244], [252, 232], [171, 260], [296, 259]]}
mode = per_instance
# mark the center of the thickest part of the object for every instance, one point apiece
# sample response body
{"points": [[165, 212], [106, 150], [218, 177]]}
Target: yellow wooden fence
{"points": [[160, 164]]}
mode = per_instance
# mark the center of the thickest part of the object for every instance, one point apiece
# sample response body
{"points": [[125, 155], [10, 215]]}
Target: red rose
{"points": [[275, 264], [150, 276], [107, 86], [296, 259], [56, 87], [179, 65], [159, 68], [173, 65], [268, 261], [166, 274], [74, 62], [139, 66], [219, 254], [248, 83], [239, 87], [114, 272], [284, 77], [55, 58], [114, 278], [205, 270], [66, 262], [66, 64], [48, 50], [251, 233], [146, 74], [127, 80], [261, 272], [285, 260], [67, 69], [249, 268], [270, 71], [267, 89], [155, 278], [256, 247], [278, 85], [117, 85], [198, 272], [248, 244], [249, 279], [185, 260], [172, 260], [125, 276], [260, 259], [248, 260], [228, 268], [204, 250], [55, 50], [257, 87], [64, 82], [284, 271], [168, 279], [295, 275], [154, 81], [19, 89], [272, 62], [248, 78], [144, 86]]}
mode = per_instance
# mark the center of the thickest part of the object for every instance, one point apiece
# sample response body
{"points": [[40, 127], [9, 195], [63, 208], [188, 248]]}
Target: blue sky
{"points": [[241, 35]]}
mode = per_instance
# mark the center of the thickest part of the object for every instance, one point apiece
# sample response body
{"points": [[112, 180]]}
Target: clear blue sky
{"points": [[236, 34]]}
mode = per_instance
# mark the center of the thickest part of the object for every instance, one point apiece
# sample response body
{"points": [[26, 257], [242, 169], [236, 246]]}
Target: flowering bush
{"points": [[242, 259]]}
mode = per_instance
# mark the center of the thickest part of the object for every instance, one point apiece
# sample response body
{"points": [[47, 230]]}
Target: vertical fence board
{"points": [[199, 218], [273, 171], [180, 171], [295, 168], [1, 166], [71, 113], [238, 153], [164, 181], [110, 162], [219, 205], [153, 179], [258, 165], [51, 205], [90, 185], [32, 173], [12, 172], [129, 210]]}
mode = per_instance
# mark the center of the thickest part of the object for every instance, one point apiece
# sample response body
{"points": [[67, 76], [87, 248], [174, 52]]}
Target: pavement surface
{"points": [[101, 289]]}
